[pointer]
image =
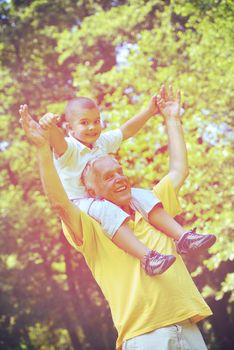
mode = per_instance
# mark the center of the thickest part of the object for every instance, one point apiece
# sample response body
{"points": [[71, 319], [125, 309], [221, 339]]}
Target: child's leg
{"points": [[163, 222], [187, 241], [125, 239], [151, 208], [152, 262], [114, 222]]}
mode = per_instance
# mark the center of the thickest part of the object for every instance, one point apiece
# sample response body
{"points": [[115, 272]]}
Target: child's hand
{"points": [[152, 107], [49, 120], [33, 131], [168, 104]]}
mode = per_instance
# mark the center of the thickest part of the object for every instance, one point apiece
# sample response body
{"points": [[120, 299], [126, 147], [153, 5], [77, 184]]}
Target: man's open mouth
{"points": [[121, 188], [91, 135]]}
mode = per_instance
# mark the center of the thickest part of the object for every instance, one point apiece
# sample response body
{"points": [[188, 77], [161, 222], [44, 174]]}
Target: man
{"points": [[149, 313]]}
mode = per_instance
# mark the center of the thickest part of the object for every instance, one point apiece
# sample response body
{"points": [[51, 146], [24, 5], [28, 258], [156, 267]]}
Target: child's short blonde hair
{"points": [[76, 104]]}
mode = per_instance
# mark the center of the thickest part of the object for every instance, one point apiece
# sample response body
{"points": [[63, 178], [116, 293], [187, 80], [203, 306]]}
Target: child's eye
{"points": [[98, 121], [120, 172], [84, 122]]}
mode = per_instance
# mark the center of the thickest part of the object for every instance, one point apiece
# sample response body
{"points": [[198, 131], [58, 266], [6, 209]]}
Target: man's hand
{"points": [[152, 108], [33, 131], [49, 120], [168, 104]]}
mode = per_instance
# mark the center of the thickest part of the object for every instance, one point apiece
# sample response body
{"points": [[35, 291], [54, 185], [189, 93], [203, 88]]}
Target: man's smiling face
{"points": [[110, 183]]}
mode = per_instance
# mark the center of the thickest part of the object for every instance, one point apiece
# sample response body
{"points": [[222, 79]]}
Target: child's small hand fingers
{"points": [[154, 99], [46, 118], [49, 120], [56, 119], [160, 101], [45, 126]]}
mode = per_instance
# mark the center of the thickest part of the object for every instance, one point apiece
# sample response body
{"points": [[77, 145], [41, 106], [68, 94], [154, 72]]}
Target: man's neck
{"points": [[129, 210]]}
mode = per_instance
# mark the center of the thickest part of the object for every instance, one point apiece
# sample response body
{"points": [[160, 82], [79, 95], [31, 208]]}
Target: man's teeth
{"points": [[122, 188]]}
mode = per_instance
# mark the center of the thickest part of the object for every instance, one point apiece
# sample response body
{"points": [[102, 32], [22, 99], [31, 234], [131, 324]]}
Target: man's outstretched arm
{"points": [[178, 160], [52, 185]]}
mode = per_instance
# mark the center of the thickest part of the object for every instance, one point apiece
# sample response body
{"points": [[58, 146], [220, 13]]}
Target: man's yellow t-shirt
{"points": [[140, 303]]}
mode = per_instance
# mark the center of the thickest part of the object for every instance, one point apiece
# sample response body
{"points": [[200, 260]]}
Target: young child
{"points": [[86, 142]]}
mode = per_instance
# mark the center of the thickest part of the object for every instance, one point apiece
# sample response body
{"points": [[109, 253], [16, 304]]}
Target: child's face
{"points": [[86, 125]]}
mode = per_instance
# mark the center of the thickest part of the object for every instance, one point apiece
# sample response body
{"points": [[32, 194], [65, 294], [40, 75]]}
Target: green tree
{"points": [[119, 53]]}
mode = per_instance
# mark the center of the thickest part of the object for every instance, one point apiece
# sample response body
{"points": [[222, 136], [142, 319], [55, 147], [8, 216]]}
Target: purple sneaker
{"points": [[193, 242], [156, 263]]}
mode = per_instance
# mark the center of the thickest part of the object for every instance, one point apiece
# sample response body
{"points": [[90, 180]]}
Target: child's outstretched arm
{"points": [[57, 140], [133, 125]]}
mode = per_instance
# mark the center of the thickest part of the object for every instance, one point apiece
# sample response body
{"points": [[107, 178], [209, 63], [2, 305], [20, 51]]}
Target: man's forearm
{"points": [[50, 180], [66, 210], [133, 125], [178, 160]]}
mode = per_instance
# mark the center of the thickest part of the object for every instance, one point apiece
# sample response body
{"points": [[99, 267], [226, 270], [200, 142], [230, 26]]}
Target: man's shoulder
{"points": [[89, 228], [165, 191]]}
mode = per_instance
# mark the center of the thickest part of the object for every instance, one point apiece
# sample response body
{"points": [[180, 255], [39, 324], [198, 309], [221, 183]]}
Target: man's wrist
{"points": [[172, 120], [43, 150]]}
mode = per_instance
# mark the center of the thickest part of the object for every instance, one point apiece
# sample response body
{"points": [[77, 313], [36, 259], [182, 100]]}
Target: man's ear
{"points": [[91, 192]]}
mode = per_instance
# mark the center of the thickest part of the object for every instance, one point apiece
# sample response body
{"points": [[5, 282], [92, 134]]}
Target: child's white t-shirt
{"points": [[71, 164]]}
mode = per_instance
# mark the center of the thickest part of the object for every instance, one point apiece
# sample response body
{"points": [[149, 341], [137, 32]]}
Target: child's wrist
{"points": [[148, 113]]}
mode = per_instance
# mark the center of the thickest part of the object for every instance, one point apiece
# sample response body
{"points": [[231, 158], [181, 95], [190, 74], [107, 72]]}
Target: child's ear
{"points": [[66, 127]]}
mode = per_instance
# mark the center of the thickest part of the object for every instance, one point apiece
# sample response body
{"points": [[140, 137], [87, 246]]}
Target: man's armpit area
{"points": [[71, 218], [82, 232], [71, 236]]}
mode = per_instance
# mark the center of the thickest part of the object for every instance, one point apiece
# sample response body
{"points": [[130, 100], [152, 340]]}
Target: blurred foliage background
{"points": [[119, 53]]}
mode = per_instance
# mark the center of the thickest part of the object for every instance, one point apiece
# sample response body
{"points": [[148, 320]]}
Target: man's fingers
{"points": [[178, 96], [25, 118], [24, 113], [170, 92], [25, 124], [162, 91]]}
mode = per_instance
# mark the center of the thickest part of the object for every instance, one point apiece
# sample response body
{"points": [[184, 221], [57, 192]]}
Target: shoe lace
{"points": [[193, 231]]}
